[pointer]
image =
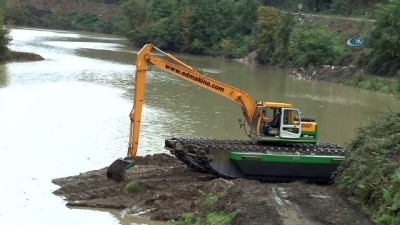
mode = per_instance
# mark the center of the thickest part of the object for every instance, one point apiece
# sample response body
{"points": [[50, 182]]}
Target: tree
{"points": [[384, 40], [267, 30], [285, 27], [198, 27], [314, 46], [246, 11], [14, 10], [4, 38]]}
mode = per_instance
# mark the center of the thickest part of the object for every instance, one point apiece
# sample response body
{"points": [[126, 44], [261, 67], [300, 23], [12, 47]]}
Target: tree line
{"points": [[235, 28], [4, 36]]}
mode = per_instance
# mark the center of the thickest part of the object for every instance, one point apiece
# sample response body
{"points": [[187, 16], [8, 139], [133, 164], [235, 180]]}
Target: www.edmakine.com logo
{"points": [[356, 41]]}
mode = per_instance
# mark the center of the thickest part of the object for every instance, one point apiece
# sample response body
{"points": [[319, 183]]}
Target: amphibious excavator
{"points": [[283, 144]]}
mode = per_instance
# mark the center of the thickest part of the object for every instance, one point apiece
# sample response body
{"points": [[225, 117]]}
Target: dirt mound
{"points": [[24, 56], [163, 188]]}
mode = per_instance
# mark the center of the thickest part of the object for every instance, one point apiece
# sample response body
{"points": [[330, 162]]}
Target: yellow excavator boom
{"points": [[252, 111], [178, 68]]}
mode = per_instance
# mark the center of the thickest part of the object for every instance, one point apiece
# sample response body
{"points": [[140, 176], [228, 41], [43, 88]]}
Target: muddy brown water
{"points": [[69, 114]]}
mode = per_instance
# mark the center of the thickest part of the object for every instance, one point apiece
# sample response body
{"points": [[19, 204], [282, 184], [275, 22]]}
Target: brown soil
{"points": [[168, 188], [24, 56]]}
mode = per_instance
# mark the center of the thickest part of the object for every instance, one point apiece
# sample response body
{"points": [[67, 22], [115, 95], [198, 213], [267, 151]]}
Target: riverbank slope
{"points": [[163, 188]]}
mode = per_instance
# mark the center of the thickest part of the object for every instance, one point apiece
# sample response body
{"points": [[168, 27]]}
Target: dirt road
{"points": [[166, 188]]}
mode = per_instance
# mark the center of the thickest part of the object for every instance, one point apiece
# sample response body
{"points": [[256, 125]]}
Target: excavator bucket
{"points": [[118, 168]]}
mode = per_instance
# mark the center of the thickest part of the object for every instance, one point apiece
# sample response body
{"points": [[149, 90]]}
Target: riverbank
{"points": [[162, 188], [101, 17], [348, 75], [14, 56]]}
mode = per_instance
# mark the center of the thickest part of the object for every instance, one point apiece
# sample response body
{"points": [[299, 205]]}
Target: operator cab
{"points": [[280, 122]]}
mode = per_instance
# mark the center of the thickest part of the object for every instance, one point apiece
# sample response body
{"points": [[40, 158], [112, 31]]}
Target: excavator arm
{"points": [[178, 68], [295, 153]]}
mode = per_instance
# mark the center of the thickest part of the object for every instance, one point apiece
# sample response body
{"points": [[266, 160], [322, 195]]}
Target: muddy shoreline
{"points": [[326, 73], [14, 56], [165, 189]]}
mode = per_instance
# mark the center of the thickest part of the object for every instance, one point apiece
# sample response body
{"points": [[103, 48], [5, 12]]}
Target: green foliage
{"points": [[208, 199], [341, 7], [217, 218], [132, 187], [23, 14], [4, 38], [209, 213], [199, 27], [280, 40], [396, 83], [359, 79], [353, 8], [211, 198], [314, 46], [14, 10], [188, 219], [285, 27], [371, 173], [210, 219], [234, 28], [266, 33], [384, 40]]}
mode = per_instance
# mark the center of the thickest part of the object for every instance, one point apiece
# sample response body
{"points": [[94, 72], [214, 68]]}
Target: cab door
{"points": [[290, 126]]}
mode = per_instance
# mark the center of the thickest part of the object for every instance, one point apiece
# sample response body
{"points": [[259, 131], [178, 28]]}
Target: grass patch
{"points": [[208, 199], [211, 198], [132, 187], [373, 83], [212, 218], [211, 211], [218, 218], [187, 219]]}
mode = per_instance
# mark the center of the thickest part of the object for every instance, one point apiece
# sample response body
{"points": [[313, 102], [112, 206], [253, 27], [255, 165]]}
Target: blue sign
{"points": [[356, 42]]}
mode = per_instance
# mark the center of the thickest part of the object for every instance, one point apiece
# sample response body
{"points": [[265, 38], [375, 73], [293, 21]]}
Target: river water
{"points": [[69, 114]]}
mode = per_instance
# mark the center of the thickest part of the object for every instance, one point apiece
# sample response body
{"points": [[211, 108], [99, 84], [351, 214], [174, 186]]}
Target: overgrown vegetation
{"points": [[355, 8], [314, 45], [235, 28], [132, 187], [385, 47], [22, 13], [199, 27], [373, 83], [371, 174], [209, 213], [4, 38]]}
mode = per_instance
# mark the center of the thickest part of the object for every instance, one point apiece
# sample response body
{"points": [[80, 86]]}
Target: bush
{"points": [[370, 176], [266, 33], [4, 39], [132, 187], [219, 218], [285, 27], [314, 46], [385, 39]]}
